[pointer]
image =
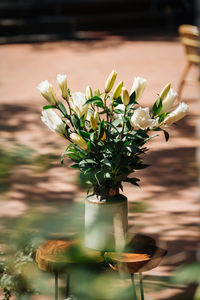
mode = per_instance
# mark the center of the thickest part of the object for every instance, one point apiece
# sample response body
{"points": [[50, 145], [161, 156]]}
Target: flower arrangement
{"points": [[107, 130]]}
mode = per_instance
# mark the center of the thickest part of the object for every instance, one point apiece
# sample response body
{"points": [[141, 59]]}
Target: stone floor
{"points": [[166, 206]]}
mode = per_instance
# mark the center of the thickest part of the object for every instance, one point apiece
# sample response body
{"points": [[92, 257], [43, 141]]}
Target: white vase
{"points": [[106, 222]]}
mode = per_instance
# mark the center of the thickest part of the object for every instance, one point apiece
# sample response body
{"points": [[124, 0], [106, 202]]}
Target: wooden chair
{"points": [[190, 39]]}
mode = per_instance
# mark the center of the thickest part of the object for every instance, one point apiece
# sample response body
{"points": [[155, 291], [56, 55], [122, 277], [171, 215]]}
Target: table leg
{"points": [[67, 285], [134, 287], [56, 286], [141, 286]]}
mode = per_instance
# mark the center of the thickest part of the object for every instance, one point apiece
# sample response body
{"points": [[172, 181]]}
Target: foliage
{"points": [[12, 267], [107, 134]]}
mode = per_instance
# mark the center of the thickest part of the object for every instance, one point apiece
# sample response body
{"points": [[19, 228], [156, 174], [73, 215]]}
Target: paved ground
{"points": [[169, 187]]}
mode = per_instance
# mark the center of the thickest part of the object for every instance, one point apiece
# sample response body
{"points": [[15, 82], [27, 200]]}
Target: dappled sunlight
{"points": [[40, 196]]}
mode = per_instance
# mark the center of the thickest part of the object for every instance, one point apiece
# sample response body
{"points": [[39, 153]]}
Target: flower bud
{"points": [[62, 82], [177, 114], [46, 90], [97, 92], [168, 102], [118, 90], [110, 81], [138, 87], [165, 91], [93, 123], [96, 116], [88, 93], [125, 96], [77, 139], [103, 137]]}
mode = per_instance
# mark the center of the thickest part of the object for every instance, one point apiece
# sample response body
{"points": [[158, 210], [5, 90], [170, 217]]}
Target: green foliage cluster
{"points": [[108, 149], [13, 264]]}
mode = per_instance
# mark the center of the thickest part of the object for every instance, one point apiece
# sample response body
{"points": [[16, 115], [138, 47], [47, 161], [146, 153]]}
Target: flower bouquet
{"points": [[107, 132]]}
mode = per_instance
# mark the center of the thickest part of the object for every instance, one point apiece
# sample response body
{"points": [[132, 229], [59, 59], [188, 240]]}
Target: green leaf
{"points": [[142, 166], [157, 106], [118, 111], [76, 122], [62, 108], [68, 92], [162, 117], [101, 129], [82, 121], [116, 122], [106, 162], [132, 180], [48, 107], [87, 161], [92, 137], [132, 98], [74, 157], [91, 146], [65, 153], [95, 100], [118, 101], [75, 166], [166, 135], [84, 134], [128, 124]]}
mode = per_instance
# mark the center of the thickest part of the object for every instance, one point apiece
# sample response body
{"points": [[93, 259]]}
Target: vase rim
{"points": [[106, 199]]}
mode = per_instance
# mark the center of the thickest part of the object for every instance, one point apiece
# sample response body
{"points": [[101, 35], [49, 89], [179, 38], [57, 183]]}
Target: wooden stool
{"points": [[59, 256], [144, 256]]}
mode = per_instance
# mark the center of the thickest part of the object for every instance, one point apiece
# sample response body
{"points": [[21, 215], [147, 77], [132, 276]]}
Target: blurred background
{"points": [[39, 198], [32, 20]]}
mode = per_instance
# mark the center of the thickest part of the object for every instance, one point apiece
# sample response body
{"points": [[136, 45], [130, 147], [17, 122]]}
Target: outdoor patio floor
{"points": [[169, 188]]}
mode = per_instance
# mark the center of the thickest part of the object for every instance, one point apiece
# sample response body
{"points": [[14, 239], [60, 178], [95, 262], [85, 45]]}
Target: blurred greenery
{"points": [[21, 236], [14, 155]]}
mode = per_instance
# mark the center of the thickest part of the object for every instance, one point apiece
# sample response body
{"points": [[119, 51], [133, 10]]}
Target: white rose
{"points": [[46, 89], [169, 101], [138, 87], [53, 121], [177, 114], [62, 82], [141, 119], [78, 104]]}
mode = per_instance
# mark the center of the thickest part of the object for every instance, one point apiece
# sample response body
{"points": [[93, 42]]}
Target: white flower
{"points": [[53, 121], [177, 114], [62, 82], [138, 87], [78, 104], [141, 119], [46, 89], [169, 101]]}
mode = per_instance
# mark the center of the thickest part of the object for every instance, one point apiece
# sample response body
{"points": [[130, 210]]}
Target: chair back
{"points": [[190, 38]]}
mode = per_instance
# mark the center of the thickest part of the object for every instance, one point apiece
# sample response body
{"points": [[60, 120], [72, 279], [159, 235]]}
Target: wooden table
{"points": [[59, 256]]}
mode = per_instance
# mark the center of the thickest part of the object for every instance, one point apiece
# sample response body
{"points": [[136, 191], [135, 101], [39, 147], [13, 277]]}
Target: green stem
{"points": [[122, 133], [106, 108]]}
